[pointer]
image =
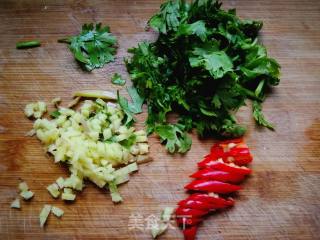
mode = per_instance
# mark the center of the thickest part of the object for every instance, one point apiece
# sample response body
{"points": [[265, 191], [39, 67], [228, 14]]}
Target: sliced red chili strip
{"points": [[205, 161], [211, 174], [195, 204], [216, 151], [216, 202], [220, 165], [212, 186], [189, 212], [239, 156]]}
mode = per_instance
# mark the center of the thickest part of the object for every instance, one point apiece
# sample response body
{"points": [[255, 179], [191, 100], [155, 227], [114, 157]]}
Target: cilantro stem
{"points": [[28, 44], [249, 93], [259, 88], [65, 40]]}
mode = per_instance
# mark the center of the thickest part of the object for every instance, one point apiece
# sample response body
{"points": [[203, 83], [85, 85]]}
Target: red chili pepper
{"points": [[203, 163], [216, 152], [220, 165], [195, 204], [190, 233], [188, 221], [212, 186], [239, 156], [189, 212], [216, 202], [211, 174]]}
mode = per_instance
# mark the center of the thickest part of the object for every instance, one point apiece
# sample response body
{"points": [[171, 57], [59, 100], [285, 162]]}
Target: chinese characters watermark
{"points": [[142, 223]]}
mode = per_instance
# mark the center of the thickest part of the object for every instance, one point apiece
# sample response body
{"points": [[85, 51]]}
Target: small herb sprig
{"points": [[93, 47]]}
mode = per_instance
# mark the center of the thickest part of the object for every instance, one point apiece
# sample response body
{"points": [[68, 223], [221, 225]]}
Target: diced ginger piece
{"points": [[134, 149], [58, 212], [143, 159], [122, 179], [68, 195], [28, 110], [35, 110], [44, 214], [60, 182], [23, 187], [53, 189], [107, 133], [67, 190], [15, 203], [140, 133], [143, 148], [27, 195], [56, 101], [141, 138], [74, 182], [73, 102]]}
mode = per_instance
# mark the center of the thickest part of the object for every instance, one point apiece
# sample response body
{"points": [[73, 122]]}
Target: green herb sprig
{"points": [[93, 47]]}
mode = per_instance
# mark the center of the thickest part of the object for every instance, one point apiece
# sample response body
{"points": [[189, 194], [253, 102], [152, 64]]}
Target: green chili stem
{"points": [[28, 44]]}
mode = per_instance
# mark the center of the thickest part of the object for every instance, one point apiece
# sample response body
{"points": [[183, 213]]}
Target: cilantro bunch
{"points": [[93, 47], [204, 65]]}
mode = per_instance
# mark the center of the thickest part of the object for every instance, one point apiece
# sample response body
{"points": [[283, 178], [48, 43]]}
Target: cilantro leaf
{"points": [[137, 101], [198, 28], [55, 114], [118, 80], [217, 63], [127, 143], [123, 103], [93, 47], [258, 115], [169, 16], [174, 137], [130, 108]]}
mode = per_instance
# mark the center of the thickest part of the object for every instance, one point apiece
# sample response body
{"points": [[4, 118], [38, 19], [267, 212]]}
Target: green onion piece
{"points": [[28, 44], [166, 214], [158, 229]]}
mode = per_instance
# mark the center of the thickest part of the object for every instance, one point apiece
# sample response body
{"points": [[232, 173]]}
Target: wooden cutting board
{"points": [[280, 201]]}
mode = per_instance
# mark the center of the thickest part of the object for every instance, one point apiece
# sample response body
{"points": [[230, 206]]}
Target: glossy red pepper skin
{"points": [[218, 165], [190, 233], [212, 186], [196, 204], [239, 156], [189, 212], [216, 202], [211, 174]]}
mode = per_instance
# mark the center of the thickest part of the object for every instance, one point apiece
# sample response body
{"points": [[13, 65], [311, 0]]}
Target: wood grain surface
{"points": [[280, 201]]}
